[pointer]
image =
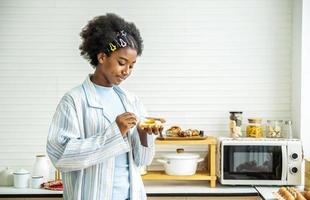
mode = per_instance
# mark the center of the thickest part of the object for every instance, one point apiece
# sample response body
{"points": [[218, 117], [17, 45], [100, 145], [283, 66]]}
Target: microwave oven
{"points": [[259, 161]]}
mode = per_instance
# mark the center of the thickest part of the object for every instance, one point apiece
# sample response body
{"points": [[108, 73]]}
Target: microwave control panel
{"points": [[295, 156]]}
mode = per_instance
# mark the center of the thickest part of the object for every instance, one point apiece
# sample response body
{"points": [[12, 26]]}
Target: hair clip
{"points": [[112, 47], [123, 33], [123, 43]]}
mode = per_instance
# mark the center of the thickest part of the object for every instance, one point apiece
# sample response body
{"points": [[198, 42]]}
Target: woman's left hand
{"points": [[149, 129]]}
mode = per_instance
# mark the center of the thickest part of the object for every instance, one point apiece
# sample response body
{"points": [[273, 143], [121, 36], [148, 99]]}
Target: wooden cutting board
{"points": [[183, 138]]}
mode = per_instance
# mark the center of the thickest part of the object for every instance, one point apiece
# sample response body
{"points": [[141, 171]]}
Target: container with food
{"points": [[254, 128], [235, 122], [180, 164], [274, 128]]}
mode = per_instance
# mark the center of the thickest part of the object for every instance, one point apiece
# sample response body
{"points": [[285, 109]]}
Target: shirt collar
{"points": [[92, 96]]}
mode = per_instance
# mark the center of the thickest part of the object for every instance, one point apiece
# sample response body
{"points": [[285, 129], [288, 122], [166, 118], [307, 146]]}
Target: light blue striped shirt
{"points": [[83, 142], [114, 107]]}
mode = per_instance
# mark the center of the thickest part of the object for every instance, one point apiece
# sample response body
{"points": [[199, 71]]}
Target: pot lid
{"points": [[181, 156], [21, 171]]}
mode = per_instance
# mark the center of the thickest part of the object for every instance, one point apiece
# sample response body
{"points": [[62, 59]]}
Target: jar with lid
{"points": [[254, 128], [274, 128], [235, 123], [287, 129]]}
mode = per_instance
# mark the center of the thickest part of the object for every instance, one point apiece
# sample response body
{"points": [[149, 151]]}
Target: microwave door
{"points": [[243, 164]]}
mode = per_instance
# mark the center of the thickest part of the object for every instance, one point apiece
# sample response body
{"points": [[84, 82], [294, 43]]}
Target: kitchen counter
{"points": [[153, 188], [165, 188], [28, 192]]}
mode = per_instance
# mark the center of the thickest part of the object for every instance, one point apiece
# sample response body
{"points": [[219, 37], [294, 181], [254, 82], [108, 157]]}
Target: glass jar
{"points": [[287, 130], [254, 128], [235, 122], [274, 128]]}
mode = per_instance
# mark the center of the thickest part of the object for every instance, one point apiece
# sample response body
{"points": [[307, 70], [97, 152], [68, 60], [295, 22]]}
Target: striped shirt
{"points": [[83, 142]]}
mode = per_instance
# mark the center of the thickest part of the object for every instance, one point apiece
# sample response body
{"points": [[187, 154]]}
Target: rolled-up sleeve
{"points": [[69, 151]]}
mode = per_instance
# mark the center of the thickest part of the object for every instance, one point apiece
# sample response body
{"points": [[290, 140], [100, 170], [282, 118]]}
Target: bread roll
{"points": [[307, 195], [287, 195], [281, 190], [297, 194]]}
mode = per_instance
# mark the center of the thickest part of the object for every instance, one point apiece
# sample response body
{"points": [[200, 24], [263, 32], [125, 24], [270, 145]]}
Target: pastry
{"points": [[189, 133], [183, 133], [307, 195], [195, 132], [286, 194], [173, 131], [297, 194], [290, 193], [150, 122]]}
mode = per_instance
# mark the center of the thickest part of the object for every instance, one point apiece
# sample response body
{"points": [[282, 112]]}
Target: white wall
{"points": [[201, 60], [305, 78]]}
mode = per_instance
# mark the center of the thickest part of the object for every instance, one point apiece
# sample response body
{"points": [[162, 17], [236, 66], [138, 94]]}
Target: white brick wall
{"points": [[202, 59]]}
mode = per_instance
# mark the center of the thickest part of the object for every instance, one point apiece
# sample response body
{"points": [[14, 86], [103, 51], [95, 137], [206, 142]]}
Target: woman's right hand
{"points": [[126, 121]]}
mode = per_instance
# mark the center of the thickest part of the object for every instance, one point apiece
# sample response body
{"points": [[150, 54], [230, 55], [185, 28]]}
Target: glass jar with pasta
{"points": [[254, 128], [274, 128]]}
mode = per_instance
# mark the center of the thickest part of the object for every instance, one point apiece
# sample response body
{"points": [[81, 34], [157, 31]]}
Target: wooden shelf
{"points": [[208, 140], [205, 175], [160, 175]]}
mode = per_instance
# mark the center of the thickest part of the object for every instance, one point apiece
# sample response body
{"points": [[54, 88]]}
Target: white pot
{"points": [[180, 164], [21, 178]]}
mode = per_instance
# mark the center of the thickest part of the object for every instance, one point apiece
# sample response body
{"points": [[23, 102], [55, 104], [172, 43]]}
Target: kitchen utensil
{"points": [[180, 164], [57, 175], [21, 178]]}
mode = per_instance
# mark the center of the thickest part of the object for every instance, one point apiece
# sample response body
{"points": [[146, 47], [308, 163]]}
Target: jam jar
{"points": [[254, 128]]}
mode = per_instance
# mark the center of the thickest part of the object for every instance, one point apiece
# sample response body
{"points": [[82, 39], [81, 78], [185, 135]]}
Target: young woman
{"points": [[95, 137]]}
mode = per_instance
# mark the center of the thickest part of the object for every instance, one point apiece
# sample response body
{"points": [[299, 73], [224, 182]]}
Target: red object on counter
{"points": [[53, 185]]}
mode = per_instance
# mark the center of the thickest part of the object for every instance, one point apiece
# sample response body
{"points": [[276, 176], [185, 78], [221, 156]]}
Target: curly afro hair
{"points": [[102, 30]]}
